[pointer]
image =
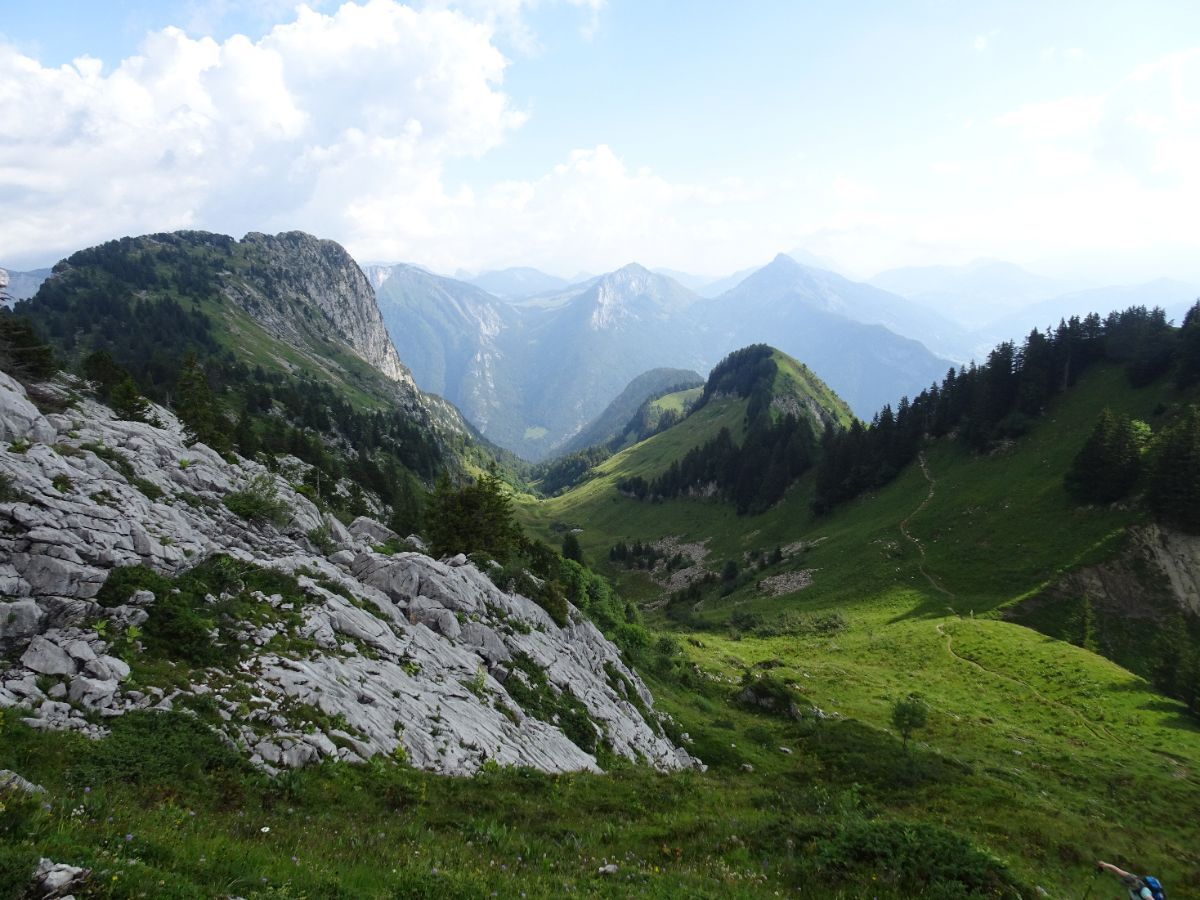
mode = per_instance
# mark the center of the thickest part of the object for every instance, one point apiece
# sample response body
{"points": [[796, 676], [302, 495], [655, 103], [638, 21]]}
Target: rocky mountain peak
{"points": [[294, 271]]}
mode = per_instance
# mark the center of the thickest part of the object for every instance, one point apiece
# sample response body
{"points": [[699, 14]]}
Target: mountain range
{"points": [[531, 375], [923, 651], [20, 285]]}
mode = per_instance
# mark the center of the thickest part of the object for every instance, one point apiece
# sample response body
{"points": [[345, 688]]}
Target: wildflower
{"points": [[128, 838], [265, 829], [87, 790]]}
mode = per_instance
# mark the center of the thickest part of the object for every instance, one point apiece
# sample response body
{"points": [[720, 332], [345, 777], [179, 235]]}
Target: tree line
{"points": [[999, 399]]}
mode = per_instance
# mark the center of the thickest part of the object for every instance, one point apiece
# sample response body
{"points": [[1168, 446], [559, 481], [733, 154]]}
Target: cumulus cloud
{"points": [[346, 120], [316, 125]]}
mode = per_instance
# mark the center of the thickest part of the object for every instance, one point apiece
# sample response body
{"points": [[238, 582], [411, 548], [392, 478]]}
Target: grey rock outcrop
{"points": [[20, 419], [11, 781], [412, 655], [57, 880], [296, 265]]}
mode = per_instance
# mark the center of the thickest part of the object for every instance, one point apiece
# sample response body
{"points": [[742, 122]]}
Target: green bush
{"points": [[154, 748], [917, 858], [122, 582], [767, 694], [538, 699], [259, 502], [16, 871]]}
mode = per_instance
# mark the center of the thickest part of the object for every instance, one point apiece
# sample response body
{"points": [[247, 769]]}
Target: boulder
{"points": [[486, 642], [57, 880], [19, 418], [11, 781], [107, 668], [47, 658], [81, 651], [19, 622], [435, 616], [372, 532], [93, 693]]}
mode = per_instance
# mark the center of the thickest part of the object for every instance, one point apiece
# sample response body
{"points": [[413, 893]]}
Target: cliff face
{"points": [[350, 652], [296, 271]]}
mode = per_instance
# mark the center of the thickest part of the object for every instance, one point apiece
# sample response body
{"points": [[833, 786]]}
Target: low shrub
{"points": [[16, 871], [153, 748], [917, 858], [259, 501]]}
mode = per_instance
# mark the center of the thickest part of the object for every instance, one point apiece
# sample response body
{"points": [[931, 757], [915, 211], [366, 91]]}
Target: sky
{"points": [[580, 135]]}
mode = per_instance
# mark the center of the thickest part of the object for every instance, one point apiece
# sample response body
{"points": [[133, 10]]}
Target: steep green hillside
{"points": [[266, 344], [677, 401], [625, 421], [905, 589]]}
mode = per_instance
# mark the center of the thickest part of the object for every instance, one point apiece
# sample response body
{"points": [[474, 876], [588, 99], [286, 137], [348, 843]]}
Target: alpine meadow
{"points": [[591, 448]]}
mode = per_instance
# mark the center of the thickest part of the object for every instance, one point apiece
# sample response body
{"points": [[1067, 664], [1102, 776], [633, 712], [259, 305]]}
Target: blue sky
{"points": [[580, 135]]}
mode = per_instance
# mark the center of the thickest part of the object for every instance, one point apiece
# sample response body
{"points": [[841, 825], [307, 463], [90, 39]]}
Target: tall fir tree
{"points": [[1107, 466], [1174, 489], [197, 407]]}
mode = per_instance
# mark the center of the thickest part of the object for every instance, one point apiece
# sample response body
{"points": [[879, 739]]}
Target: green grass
{"points": [[1037, 759], [1052, 750], [198, 822], [678, 401]]}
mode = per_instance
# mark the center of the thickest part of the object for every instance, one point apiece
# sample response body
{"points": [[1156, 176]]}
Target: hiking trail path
{"points": [[941, 629]]}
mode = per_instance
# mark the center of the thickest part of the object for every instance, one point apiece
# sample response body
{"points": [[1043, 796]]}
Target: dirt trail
{"points": [[908, 535], [1098, 731], [1102, 733]]}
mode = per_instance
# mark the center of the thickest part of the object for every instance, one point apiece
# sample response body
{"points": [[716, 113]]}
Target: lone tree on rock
{"points": [[908, 715]]}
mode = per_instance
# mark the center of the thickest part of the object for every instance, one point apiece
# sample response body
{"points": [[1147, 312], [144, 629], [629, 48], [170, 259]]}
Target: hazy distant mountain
{"points": [[589, 346], [687, 279], [451, 335], [972, 295], [22, 285], [832, 325], [616, 416], [517, 282], [532, 373], [721, 285], [784, 281], [1173, 296]]}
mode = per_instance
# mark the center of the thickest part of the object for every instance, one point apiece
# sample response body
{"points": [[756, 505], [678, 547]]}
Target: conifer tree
{"points": [[1107, 466], [1188, 372], [127, 402], [1087, 627], [197, 407], [1174, 489], [571, 548]]}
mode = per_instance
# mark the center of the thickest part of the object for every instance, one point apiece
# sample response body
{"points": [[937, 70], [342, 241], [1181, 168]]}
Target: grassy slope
{"points": [[677, 401], [796, 379], [1065, 748], [1045, 754]]}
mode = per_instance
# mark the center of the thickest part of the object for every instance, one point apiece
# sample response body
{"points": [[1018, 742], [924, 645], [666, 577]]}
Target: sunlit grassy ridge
{"points": [[677, 401]]}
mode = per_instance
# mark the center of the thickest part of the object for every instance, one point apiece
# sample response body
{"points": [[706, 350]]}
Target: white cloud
{"points": [[591, 211], [320, 125]]}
